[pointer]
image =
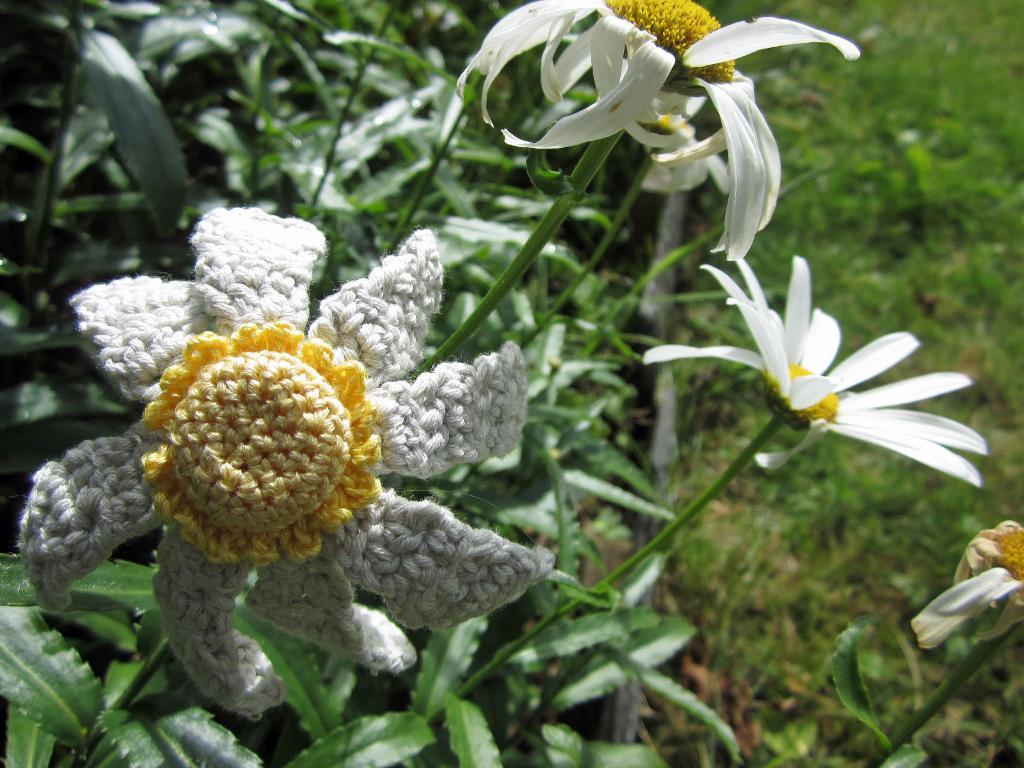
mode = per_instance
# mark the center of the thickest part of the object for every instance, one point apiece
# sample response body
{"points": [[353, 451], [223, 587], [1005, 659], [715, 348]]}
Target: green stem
{"points": [[968, 665], [587, 167], [422, 184], [144, 675], [346, 111], [595, 258], [659, 542]]}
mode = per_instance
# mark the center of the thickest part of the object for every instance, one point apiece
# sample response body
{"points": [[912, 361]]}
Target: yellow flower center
{"points": [[268, 444], [827, 408], [1011, 549], [676, 25]]}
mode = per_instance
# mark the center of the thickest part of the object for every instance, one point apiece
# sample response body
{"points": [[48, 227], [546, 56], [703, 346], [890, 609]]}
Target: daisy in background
{"points": [[647, 58], [994, 563], [794, 355], [666, 178]]}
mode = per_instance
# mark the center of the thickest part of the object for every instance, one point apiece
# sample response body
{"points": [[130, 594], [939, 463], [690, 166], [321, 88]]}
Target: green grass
{"points": [[911, 221]]}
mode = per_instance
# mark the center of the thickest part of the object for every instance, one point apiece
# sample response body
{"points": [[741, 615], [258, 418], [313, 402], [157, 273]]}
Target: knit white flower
{"points": [[994, 561], [646, 57], [794, 355], [261, 445]]}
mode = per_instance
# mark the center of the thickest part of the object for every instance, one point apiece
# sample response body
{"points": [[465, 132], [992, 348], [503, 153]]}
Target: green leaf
{"points": [[642, 579], [615, 495], [297, 664], [571, 637], [907, 756], [601, 597], [187, 738], [45, 678], [28, 744], [34, 401], [12, 137], [369, 742], [12, 314], [443, 663], [849, 685], [685, 700], [144, 135], [19, 342], [115, 584], [469, 735]]}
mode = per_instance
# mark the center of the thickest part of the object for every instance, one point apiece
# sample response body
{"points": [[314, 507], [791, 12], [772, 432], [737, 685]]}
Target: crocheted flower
{"points": [[261, 446]]}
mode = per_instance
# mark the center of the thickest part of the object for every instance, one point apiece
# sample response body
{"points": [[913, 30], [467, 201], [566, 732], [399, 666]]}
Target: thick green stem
{"points": [[423, 183], [969, 664], [659, 542], [595, 258], [587, 167]]}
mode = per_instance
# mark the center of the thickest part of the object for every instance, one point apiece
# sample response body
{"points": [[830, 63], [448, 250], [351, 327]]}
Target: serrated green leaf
{"points": [[45, 678], [369, 742], [615, 495], [186, 739], [29, 745], [686, 700], [470, 737], [853, 693], [643, 579], [296, 663], [12, 137], [601, 754], [443, 663], [571, 637], [907, 756], [113, 627], [144, 136], [113, 585]]}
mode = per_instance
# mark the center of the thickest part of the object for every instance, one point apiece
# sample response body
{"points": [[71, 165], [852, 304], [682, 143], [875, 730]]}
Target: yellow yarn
{"points": [[268, 444]]}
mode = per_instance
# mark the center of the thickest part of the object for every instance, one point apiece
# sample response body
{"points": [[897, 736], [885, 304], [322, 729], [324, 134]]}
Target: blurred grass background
{"points": [[907, 174]]}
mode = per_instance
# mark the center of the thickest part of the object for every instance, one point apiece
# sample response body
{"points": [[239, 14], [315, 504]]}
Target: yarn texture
{"points": [[261, 446]]}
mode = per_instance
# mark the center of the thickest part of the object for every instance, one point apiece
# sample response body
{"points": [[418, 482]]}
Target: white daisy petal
{"points": [[907, 391], [698, 150], [769, 148], [878, 356], [924, 451], [809, 390], [737, 40], [668, 352], [573, 63], [607, 51], [798, 309], [754, 286], [822, 342], [648, 69], [731, 287], [770, 345], [1012, 614], [652, 139], [776, 459], [927, 426], [548, 74], [719, 174], [748, 176]]}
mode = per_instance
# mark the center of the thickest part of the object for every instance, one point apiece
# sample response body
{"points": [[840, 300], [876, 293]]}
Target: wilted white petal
{"points": [[769, 148], [959, 603], [1012, 614], [668, 352], [719, 172], [822, 342], [798, 309], [878, 356], [652, 139], [808, 390], [748, 176], [607, 51], [770, 345], [927, 426], [648, 69], [572, 64], [696, 150], [744, 37], [907, 391], [548, 74], [928, 453], [665, 180], [776, 459]]}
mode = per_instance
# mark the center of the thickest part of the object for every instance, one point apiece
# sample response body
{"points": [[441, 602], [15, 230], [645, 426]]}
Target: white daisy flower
{"points": [[669, 177], [794, 355], [650, 53], [991, 570]]}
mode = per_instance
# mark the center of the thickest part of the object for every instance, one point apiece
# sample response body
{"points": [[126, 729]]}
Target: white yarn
{"points": [[431, 569], [81, 508], [382, 319]]}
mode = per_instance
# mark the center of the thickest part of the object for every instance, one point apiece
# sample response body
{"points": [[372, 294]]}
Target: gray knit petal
{"points": [[138, 325], [197, 603], [432, 569], [80, 508], [456, 413], [312, 599], [252, 267], [382, 319]]}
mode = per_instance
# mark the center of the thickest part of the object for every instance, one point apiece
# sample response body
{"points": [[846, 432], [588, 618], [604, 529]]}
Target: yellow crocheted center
{"points": [[827, 408], [268, 444], [1011, 553], [676, 26]]}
